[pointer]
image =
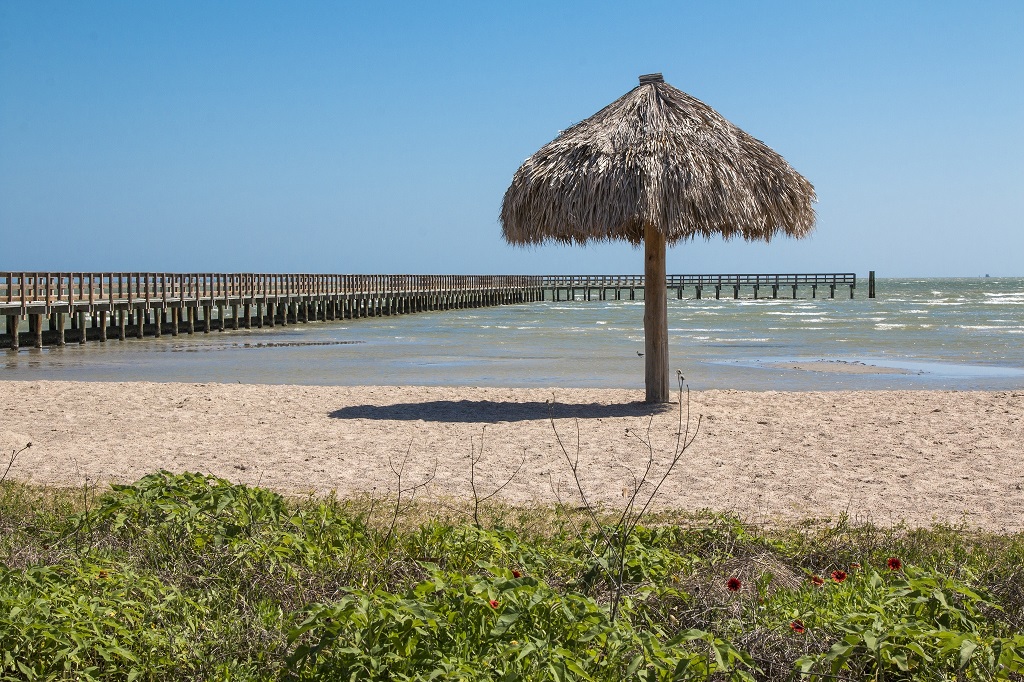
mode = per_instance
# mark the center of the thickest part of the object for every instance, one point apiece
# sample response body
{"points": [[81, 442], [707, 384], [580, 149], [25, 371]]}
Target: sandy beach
{"points": [[886, 456]]}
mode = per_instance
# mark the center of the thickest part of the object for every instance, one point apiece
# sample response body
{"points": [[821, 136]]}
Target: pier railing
{"points": [[675, 281], [20, 291], [31, 289]]}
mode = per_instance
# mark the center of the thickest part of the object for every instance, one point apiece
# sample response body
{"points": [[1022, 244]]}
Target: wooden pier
{"points": [[760, 286], [50, 307]]}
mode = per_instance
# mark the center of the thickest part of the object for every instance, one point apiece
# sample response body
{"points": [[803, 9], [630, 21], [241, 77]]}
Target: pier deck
{"points": [[99, 305]]}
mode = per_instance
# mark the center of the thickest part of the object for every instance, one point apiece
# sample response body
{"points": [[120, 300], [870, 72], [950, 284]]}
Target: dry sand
{"points": [[886, 456]]}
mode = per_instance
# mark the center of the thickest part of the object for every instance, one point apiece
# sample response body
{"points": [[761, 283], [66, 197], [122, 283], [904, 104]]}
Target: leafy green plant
{"points": [[95, 621], [916, 624], [504, 627], [185, 576]]}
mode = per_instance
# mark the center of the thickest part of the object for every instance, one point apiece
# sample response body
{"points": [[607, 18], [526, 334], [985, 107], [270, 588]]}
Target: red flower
{"points": [[839, 576], [894, 564], [493, 603], [797, 626], [817, 580], [733, 584], [517, 574]]}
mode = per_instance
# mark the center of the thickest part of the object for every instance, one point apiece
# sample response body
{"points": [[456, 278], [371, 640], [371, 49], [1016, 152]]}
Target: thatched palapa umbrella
{"points": [[655, 166]]}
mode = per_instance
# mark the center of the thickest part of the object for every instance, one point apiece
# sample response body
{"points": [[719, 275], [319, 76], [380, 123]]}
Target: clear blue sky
{"points": [[380, 137]]}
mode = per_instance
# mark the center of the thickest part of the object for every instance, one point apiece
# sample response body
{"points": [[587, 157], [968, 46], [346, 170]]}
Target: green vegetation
{"points": [[191, 577]]}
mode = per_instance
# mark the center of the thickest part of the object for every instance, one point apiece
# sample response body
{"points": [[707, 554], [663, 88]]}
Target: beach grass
{"points": [[186, 576]]}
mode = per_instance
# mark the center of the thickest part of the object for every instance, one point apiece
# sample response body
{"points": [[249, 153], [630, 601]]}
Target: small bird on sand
{"points": [[639, 354]]}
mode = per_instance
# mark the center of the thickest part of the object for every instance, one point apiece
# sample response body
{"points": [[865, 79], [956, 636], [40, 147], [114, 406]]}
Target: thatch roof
{"points": [[655, 155]]}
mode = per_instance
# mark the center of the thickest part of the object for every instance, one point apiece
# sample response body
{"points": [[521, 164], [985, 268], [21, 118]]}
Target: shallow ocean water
{"points": [[959, 334]]}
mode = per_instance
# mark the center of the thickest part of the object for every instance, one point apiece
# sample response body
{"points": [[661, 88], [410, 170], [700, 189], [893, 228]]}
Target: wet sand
{"points": [[839, 367], [887, 456]]}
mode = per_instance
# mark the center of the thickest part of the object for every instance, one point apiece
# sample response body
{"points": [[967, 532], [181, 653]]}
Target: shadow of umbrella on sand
{"points": [[490, 412], [654, 167]]}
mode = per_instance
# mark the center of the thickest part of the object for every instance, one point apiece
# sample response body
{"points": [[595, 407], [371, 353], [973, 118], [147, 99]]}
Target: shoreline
{"points": [[890, 456]]}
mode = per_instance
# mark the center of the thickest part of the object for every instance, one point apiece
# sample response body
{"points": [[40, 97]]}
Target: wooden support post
{"points": [[207, 310], [36, 323], [756, 287], [794, 292], [655, 316], [141, 319], [60, 329], [191, 320], [103, 325], [175, 320], [699, 288], [814, 291], [13, 322], [248, 315], [81, 326], [718, 291], [121, 319], [220, 317], [775, 291], [831, 290], [234, 316], [735, 291], [159, 320], [871, 284], [270, 313], [259, 315]]}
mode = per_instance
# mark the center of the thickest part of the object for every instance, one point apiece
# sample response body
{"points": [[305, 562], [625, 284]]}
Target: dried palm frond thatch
{"points": [[655, 156]]}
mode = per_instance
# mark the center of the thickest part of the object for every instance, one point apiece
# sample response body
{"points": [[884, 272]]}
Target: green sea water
{"points": [[939, 333]]}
